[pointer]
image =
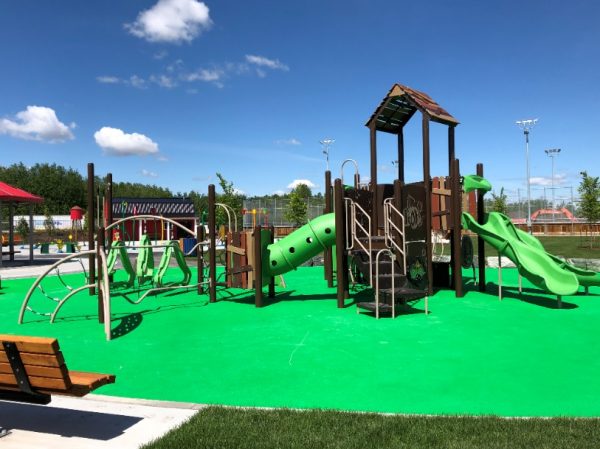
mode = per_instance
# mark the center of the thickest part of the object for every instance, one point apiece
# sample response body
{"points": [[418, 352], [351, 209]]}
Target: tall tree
{"points": [[230, 197], [297, 207], [589, 207], [499, 203]]}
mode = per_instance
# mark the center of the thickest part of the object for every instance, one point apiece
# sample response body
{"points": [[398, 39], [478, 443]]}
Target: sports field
{"points": [[475, 355]]}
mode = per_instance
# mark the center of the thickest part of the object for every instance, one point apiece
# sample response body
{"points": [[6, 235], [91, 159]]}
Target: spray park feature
{"points": [[471, 355]]}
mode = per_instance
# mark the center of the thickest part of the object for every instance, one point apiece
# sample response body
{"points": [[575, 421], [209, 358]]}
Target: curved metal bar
{"points": [[172, 287], [227, 210], [154, 217], [342, 169], [43, 275], [62, 301], [104, 287]]}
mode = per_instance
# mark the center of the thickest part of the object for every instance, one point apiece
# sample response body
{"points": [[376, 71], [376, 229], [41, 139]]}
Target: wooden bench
{"points": [[32, 369]]}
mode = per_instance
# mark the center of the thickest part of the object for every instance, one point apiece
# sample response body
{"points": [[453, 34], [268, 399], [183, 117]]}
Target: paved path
{"points": [[93, 422]]}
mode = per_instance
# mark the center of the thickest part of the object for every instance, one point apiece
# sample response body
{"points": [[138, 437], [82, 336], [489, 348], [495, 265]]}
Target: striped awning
{"points": [[165, 207]]}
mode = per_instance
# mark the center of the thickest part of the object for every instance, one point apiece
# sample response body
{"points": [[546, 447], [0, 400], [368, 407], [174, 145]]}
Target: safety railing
{"points": [[357, 231], [392, 216]]}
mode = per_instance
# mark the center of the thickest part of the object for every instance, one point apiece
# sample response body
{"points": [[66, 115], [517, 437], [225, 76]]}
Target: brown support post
{"points": [[480, 242], [374, 215], [328, 253], [427, 184], [109, 197], [340, 243], [200, 257], [456, 227], [401, 155], [90, 219], [451, 151], [212, 251], [101, 247], [11, 230], [356, 180], [272, 279], [257, 267]]}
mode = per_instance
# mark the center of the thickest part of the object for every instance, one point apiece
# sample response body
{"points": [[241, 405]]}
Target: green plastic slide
{"points": [[145, 259], [475, 182], [586, 278], [298, 247], [118, 251], [172, 250], [530, 258]]}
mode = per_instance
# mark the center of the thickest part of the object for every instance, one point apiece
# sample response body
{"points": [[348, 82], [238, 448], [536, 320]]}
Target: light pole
{"points": [[526, 126], [326, 143], [552, 153]]}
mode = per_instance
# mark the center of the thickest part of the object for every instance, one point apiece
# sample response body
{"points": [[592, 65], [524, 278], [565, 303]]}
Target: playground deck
{"points": [[474, 355]]}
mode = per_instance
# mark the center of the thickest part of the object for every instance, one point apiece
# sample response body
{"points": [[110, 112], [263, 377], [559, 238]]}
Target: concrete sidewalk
{"points": [[92, 422]]}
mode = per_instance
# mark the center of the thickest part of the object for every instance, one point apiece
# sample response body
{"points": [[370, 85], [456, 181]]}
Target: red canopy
{"points": [[10, 193]]}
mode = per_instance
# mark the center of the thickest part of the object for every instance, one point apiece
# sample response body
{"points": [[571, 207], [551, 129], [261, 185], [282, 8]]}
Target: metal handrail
{"points": [[393, 259], [229, 210], [356, 224], [389, 225]]}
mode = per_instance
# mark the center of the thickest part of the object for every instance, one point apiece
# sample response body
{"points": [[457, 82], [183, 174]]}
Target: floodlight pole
{"points": [[526, 126], [552, 153], [326, 143]]}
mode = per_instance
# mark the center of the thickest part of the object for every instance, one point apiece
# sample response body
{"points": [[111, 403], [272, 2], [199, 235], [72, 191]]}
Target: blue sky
{"points": [[172, 91]]}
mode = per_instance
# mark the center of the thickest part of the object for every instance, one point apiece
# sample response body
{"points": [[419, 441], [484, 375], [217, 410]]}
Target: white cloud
{"points": [[37, 123], [292, 141], [118, 143], [162, 158], [163, 81], [205, 75], [171, 21], [306, 182], [261, 61], [148, 173], [547, 181], [137, 81], [160, 55], [238, 191], [108, 79], [279, 192]]}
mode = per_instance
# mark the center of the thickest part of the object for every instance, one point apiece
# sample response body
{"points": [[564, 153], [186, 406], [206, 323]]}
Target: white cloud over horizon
{"points": [[544, 181], [37, 123], [296, 182], [116, 142], [171, 21], [148, 173], [291, 141]]}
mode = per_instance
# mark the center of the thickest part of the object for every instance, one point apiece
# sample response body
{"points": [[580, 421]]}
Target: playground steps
{"points": [[402, 296]]}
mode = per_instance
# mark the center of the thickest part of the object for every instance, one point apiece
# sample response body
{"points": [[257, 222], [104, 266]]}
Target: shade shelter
{"points": [[12, 195]]}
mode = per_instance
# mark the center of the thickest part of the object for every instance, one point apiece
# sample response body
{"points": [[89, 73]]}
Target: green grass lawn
{"points": [[224, 428]]}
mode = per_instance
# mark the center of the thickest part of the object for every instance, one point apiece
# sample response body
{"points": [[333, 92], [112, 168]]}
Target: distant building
{"points": [[180, 210]]}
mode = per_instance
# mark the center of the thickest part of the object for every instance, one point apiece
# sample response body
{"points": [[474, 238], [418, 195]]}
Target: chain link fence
{"points": [[272, 211]]}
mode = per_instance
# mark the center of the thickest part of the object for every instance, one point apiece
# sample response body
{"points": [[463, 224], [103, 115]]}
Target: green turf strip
{"points": [[475, 355], [231, 428]]}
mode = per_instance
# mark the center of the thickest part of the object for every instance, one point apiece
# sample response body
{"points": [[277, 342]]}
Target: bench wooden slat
{"points": [[40, 371], [47, 383], [37, 359], [40, 345]]}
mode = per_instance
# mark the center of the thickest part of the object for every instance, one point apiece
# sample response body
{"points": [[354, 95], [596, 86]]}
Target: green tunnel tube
{"points": [[301, 245]]}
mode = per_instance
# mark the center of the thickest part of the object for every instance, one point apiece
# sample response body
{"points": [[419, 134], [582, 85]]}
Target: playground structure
{"points": [[379, 235], [103, 256]]}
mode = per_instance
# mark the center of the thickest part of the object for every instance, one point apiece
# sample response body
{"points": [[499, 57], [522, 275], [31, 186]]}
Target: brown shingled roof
{"points": [[399, 105]]}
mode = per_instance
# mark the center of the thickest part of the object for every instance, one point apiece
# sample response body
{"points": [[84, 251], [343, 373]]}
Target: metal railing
{"points": [[355, 226], [390, 212], [393, 259]]}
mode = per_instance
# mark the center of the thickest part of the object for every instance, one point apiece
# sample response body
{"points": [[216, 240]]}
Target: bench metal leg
{"points": [[3, 432]]}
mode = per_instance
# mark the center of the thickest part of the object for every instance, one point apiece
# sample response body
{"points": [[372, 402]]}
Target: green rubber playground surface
{"points": [[476, 355]]}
